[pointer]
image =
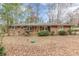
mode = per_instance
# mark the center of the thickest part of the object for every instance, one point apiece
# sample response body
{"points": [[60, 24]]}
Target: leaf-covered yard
{"points": [[49, 45]]}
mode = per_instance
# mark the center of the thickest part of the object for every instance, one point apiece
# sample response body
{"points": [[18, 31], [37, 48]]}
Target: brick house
{"points": [[19, 29]]}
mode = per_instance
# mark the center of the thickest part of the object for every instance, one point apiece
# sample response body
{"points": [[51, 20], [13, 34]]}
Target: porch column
{"points": [[44, 27]]}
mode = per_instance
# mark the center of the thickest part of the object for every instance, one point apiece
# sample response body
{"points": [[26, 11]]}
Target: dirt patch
{"points": [[43, 46]]}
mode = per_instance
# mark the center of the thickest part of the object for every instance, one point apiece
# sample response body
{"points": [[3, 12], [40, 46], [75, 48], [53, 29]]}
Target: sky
{"points": [[43, 10]]}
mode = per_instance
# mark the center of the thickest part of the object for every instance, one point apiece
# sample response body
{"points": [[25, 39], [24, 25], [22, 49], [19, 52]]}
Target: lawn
{"points": [[41, 46]]}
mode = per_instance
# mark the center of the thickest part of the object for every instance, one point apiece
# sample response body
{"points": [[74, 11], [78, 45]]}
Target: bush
{"points": [[43, 33], [2, 53], [52, 33], [62, 32], [70, 31]]}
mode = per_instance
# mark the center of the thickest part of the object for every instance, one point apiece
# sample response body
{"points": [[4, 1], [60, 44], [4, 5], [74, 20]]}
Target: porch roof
{"points": [[43, 24]]}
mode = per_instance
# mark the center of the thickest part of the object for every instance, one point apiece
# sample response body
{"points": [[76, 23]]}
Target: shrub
{"points": [[62, 32], [70, 31], [43, 33], [52, 33], [2, 53]]}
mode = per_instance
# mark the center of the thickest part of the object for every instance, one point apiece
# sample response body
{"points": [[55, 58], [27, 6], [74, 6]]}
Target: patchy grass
{"points": [[33, 41]]}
